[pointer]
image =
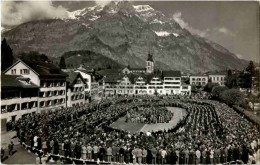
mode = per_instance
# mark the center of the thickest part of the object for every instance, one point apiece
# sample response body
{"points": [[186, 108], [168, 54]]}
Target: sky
{"points": [[234, 24]]}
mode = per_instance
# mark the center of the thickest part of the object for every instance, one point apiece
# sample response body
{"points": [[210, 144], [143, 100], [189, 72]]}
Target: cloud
{"points": [[178, 18], [15, 13], [102, 3], [203, 33], [225, 31]]}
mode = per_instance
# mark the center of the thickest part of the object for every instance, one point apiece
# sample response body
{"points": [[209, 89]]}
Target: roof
{"points": [[45, 69], [72, 76], [171, 73], [109, 71], [113, 77], [12, 81], [147, 77], [142, 69], [217, 73], [199, 75], [150, 57]]}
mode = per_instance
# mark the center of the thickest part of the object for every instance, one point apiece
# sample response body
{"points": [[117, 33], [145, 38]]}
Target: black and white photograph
{"points": [[130, 82]]}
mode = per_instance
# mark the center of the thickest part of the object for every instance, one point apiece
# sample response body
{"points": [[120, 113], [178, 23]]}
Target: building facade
{"points": [[75, 90], [19, 97], [199, 80], [49, 78], [219, 78]]}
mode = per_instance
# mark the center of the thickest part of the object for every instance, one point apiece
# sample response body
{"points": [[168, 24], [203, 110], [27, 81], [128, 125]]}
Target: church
{"points": [[149, 67]]}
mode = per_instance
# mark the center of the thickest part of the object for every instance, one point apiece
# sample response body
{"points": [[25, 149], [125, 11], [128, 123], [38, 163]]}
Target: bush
{"points": [[209, 86], [217, 91], [232, 97]]}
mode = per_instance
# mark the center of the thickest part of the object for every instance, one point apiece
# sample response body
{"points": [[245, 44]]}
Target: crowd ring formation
{"points": [[210, 133]]}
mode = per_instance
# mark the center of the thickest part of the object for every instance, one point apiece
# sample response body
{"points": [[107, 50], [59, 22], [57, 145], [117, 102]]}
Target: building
{"points": [[149, 64], [148, 69], [217, 77], [75, 89], [49, 78], [172, 82], [87, 79], [19, 97], [199, 79], [129, 70]]}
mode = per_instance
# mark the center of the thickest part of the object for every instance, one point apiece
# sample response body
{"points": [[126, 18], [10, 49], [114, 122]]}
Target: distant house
{"points": [[199, 79], [218, 77]]}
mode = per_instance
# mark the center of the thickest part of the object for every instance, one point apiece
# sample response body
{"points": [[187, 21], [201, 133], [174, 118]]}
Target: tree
{"points": [[217, 91], [62, 63], [232, 97], [209, 86], [6, 55], [251, 73]]}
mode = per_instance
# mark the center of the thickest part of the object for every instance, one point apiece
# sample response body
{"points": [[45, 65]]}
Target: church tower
{"points": [[149, 64]]}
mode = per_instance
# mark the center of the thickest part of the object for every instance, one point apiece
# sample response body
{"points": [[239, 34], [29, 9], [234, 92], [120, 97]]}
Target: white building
{"points": [[19, 97], [218, 77], [199, 79], [75, 89], [172, 82], [49, 78]]}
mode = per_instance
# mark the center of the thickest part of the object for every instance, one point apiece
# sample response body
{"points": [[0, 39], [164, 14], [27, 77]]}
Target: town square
{"points": [[121, 82]]}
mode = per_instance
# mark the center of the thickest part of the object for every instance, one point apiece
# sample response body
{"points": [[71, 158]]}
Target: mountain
{"points": [[124, 33], [92, 60]]}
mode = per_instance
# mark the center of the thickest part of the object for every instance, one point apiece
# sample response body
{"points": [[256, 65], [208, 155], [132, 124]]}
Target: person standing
{"points": [[139, 155], [198, 156], [11, 147], [95, 151], [211, 156], [163, 154], [154, 153], [144, 155], [84, 152], [89, 150], [187, 153], [109, 154]]}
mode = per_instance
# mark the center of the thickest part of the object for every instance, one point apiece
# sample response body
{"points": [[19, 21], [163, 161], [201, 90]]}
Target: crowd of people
{"points": [[149, 115], [210, 133]]}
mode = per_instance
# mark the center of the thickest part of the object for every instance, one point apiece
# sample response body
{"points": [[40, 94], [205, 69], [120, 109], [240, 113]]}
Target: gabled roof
{"points": [[171, 73], [72, 77], [217, 73], [42, 69], [12, 81], [109, 71]]}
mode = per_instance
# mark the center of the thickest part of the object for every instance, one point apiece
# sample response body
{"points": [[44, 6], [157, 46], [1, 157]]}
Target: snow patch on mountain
{"points": [[76, 13], [94, 17], [165, 33], [142, 8], [157, 21]]}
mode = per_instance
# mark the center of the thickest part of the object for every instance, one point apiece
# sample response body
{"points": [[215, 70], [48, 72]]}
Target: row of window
{"points": [[198, 79], [52, 93], [217, 78], [17, 107], [77, 97], [49, 84], [78, 89], [168, 78], [51, 102], [22, 71]]}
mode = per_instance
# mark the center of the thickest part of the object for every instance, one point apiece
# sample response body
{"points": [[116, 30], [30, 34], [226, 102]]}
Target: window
{"points": [[24, 71], [13, 71], [193, 79]]}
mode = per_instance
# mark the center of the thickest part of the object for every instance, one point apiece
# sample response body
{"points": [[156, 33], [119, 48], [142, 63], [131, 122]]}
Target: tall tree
{"points": [[251, 73], [62, 63], [6, 55]]}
